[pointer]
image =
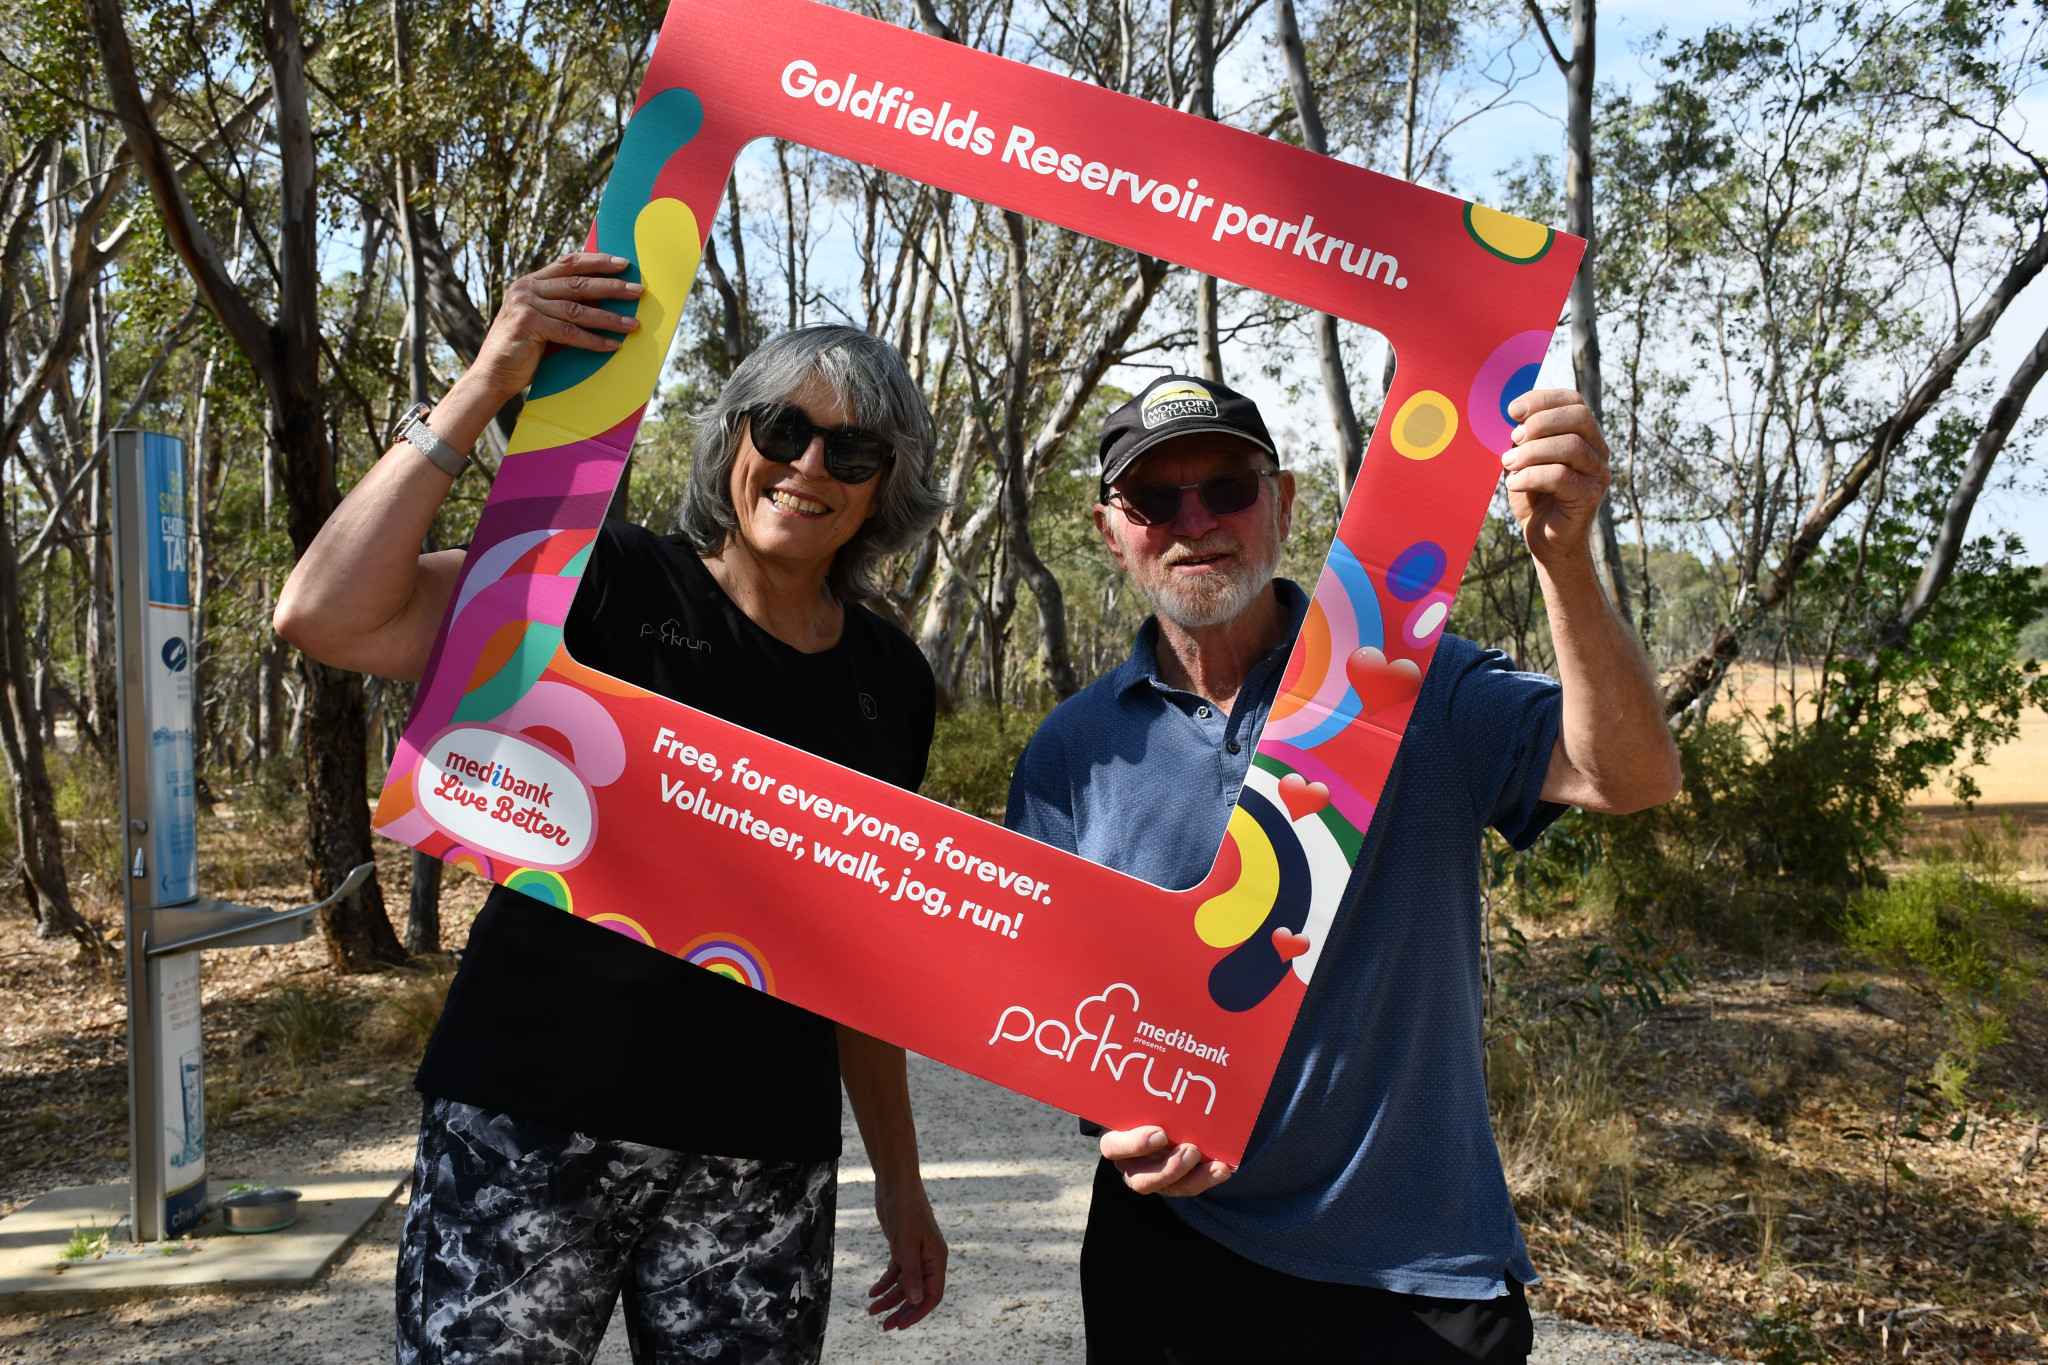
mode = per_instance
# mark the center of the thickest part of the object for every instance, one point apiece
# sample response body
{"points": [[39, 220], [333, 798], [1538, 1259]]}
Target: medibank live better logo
{"points": [[507, 796]]}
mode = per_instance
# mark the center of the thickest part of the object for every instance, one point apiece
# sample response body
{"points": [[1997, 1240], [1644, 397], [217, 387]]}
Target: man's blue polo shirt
{"points": [[1373, 1161]]}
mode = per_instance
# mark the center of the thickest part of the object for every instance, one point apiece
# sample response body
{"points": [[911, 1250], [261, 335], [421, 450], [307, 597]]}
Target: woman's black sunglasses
{"points": [[782, 432], [1156, 504]]}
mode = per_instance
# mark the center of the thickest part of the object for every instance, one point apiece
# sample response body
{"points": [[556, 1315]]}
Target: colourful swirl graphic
{"points": [[1330, 842], [732, 957], [468, 859], [1426, 621], [545, 887], [1273, 889], [1316, 700], [656, 131]]}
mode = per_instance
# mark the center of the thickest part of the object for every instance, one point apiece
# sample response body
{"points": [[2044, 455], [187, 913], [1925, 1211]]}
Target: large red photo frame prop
{"points": [[1044, 972]]}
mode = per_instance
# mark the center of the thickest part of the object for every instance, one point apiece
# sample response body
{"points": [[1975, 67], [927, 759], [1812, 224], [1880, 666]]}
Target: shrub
{"points": [[301, 1026], [1955, 923], [278, 791], [1944, 918], [1784, 1337], [1766, 838], [974, 751]]}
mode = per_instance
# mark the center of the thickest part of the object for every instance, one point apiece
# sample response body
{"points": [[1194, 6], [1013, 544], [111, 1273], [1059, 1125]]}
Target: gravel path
{"points": [[1008, 1176]]}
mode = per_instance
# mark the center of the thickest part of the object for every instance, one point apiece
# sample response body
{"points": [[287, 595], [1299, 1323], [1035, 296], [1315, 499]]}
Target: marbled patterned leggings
{"points": [[521, 1236]]}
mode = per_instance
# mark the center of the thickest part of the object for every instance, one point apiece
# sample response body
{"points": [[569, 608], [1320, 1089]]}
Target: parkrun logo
{"points": [[1055, 1038], [506, 795]]}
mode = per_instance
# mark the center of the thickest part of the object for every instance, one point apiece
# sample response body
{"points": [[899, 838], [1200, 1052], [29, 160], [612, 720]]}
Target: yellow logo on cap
{"points": [[1170, 402]]}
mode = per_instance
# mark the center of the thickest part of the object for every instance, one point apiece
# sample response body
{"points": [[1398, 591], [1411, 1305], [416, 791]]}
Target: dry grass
{"points": [[1562, 1128], [405, 1017], [1740, 1172], [63, 1065]]}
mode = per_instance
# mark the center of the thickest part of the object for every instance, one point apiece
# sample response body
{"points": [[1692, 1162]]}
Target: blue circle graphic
{"points": [[1416, 570], [1519, 383], [175, 656]]}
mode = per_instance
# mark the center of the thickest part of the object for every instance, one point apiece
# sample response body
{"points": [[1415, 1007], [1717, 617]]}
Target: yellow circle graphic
{"points": [[1506, 236], [1424, 425]]}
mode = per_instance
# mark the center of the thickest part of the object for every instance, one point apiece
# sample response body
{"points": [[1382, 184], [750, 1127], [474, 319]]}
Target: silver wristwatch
{"points": [[412, 426]]}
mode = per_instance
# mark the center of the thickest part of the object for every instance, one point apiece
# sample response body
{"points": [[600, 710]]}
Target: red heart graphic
{"points": [[1301, 796], [1382, 683], [1288, 944]]}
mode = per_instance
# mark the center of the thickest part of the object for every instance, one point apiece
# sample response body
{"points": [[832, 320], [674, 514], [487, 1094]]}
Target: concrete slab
{"points": [[35, 1278]]}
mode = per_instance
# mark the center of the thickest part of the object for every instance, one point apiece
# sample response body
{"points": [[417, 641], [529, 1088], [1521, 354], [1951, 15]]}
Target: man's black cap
{"points": [[1177, 405]]}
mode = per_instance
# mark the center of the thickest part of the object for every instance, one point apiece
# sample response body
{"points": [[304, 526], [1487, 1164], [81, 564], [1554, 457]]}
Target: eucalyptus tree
{"points": [[286, 352], [1824, 248]]}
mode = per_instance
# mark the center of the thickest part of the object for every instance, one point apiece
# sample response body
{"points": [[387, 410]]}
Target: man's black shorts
{"points": [[1157, 1292]]}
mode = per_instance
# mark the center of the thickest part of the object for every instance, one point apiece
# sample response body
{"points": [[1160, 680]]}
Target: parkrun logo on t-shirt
{"points": [[506, 795]]}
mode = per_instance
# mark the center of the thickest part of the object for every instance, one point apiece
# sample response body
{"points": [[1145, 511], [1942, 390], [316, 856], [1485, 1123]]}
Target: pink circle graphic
{"points": [[1507, 374]]}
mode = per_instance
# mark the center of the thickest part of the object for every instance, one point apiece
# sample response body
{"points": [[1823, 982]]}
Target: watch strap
{"points": [[413, 427]]}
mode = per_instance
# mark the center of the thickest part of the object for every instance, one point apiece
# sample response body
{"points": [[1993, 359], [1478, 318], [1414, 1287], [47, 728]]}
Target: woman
{"points": [[601, 1120]]}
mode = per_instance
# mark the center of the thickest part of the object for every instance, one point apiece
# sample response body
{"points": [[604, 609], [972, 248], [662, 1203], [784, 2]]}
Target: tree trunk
{"points": [[1023, 555], [39, 836], [1578, 220], [423, 914], [285, 354], [1703, 671], [270, 698], [1329, 347], [357, 933], [1955, 523]]}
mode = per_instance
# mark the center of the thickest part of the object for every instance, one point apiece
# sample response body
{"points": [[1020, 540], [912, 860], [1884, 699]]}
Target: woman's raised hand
{"points": [[363, 597], [556, 304]]}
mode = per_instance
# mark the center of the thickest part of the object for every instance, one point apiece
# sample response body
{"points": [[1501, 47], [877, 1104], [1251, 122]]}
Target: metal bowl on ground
{"points": [[259, 1210]]}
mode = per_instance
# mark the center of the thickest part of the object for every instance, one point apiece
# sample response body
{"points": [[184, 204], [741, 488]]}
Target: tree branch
{"points": [[1700, 672]]}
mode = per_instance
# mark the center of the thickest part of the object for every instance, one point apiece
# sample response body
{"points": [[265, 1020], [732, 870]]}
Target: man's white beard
{"points": [[1212, 599]]}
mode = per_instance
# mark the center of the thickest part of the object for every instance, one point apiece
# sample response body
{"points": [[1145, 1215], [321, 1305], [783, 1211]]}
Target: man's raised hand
{"points": [[1556, 472], [1152, 1165]]}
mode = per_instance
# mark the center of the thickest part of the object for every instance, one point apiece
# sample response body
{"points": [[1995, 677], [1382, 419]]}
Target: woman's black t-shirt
{"points": [[557, 1020]]}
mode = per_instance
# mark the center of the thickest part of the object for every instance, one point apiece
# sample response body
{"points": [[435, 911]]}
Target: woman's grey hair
{"points": [[868, 378]]}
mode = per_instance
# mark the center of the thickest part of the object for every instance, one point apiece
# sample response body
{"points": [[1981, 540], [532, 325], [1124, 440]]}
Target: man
{"points": [[1370, 1220]]}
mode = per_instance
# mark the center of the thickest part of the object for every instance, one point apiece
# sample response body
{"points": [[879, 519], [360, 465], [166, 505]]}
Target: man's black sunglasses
{"points": [[782, 432], [1156, 504]]}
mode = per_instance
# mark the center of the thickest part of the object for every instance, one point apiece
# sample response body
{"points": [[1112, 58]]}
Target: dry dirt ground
{"points": [[1766, 1177], [1009, 1178]]}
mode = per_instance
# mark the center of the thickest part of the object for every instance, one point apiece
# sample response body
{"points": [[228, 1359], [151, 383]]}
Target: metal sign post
{"points": [[167, 921]]}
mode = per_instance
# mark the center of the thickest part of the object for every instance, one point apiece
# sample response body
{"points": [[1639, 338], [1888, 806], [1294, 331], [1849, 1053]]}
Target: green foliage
{"points": [[86, 1243], [1783, 1336], [1632, 974], [974, 751], [1788, 814], [278, 789], [1944, 918], [1957, 923], [1769, 834]]}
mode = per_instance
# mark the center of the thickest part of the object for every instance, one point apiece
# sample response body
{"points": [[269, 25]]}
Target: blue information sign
{"points": [[167, 655]]}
